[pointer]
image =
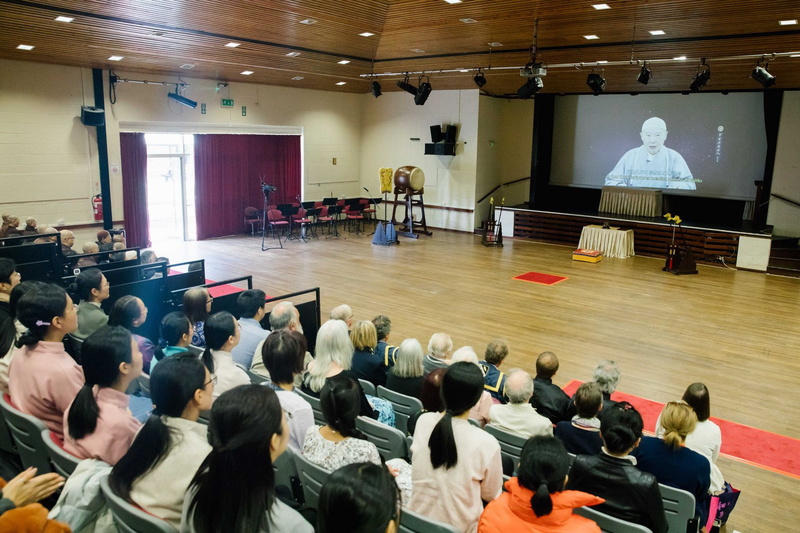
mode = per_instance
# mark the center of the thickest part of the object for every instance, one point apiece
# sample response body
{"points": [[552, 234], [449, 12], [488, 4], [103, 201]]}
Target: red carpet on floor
{"points": [[222, 290], [764, 449], [538, 277]]}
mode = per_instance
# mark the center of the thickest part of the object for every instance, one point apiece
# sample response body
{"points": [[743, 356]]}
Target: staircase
{"points": [[784, 257]]}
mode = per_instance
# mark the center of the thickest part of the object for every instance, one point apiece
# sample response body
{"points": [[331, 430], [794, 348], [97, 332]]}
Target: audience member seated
{"points": [[548, 398], [536, 500], [234, 489], [98, 424], [480, 411], [383, 327], [43, 378], [283, 354], [581, 435], [130, 313], [630, 494], [359, 498], [333, 357], [104, 242], [9, 278], [440, 348], [11, 329], [148, 257], [117, 255], [706, 439], [607, 375], [90, 289], [171, 446], [9, 227], [407, 374], [430, 396], [495, 380], [284, 316], [252, 309], [366, 364], [30, 226], [67, 242], [222, 335], [20, 495], [344, 313], [671, 461], [47, 235], [455, 466], [88, 260], [196, 306], [176, 332], [518, 416]]}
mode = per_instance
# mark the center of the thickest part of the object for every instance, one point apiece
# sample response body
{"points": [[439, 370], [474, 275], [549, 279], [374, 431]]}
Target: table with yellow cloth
{"points": [[631, 201], [613, 242]]}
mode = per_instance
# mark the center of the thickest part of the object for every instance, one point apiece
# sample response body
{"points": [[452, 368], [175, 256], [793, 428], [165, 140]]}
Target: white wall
{"points": [[786, 177]]}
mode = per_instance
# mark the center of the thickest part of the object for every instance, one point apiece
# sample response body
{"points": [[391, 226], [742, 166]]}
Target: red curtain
{"points": [[134, 189], [228, 172]]}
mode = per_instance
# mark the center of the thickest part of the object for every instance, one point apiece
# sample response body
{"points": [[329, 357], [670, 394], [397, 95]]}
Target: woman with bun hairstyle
{"points": [[535, 500], [130, 313], [43, 379], [90, 289], [98, 424], [630, 494]]}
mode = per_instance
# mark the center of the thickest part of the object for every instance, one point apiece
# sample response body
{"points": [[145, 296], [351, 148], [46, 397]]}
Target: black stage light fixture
{"points": [[479, 79], [181, 99], [762, 75], [531, 87], [376, 88], [424, 91], [407, 87], [644, 75], [596, 83], [701, 78]]}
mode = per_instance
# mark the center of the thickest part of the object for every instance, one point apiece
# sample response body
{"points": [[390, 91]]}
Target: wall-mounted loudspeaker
{"points": [[92, 116], [450, 135], [436, 134]]}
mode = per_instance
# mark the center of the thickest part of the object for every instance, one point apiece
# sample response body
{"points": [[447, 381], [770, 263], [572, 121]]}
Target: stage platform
{"points": [[708, 241]]}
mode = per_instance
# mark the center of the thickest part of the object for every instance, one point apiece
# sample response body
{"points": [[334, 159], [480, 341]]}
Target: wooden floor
{"points": [[736, 331]]}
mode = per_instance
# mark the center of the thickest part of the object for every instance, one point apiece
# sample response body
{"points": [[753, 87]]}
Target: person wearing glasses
{"points": [[222, 335], [197, 306]]}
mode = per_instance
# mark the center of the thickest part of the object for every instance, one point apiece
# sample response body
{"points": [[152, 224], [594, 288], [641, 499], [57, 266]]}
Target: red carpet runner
{"points": [[743, 443]]}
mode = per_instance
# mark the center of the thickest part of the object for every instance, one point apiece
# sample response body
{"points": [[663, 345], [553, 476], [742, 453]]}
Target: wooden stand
{"points": [[410, 227], [680, 260], [492, 233]]}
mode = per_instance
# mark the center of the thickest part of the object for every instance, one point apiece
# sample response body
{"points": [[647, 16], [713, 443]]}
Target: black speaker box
{"points": [[436, 134], [450, 135], [92, 116]]}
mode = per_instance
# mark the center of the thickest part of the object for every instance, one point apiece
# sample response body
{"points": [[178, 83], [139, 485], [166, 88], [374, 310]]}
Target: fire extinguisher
{"points": [[97, 207]]}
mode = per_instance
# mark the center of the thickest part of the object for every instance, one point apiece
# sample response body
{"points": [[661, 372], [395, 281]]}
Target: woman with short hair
{"points": [[367, 365]]}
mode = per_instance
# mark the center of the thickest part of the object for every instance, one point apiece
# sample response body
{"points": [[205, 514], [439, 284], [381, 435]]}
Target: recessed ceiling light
{"points": [[789, 22], [116, 58], [64, 19], [187, 66], [468, 21], [601, 62], [308, 22], [495, 43], [343, 61], [233, 45], [25, 47], [590, 37], [453, 1], [601, 6], [247, 72], [795, 55], [341, 83], [657, 32], [366, 34], [293, 54], [418, 50], [680, 58], [464, 70], [298, 78], [156, 33]]}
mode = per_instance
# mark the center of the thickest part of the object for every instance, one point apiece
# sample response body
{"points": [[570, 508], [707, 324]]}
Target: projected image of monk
{"points": [[652, 165]]}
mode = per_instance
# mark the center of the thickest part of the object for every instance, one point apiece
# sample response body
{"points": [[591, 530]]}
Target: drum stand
{"points": [[412, 228]]}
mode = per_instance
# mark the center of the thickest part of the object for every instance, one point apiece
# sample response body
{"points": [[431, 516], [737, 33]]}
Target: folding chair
{"points": [[368, 387], [255, 379], [27, 432], [679, 506], [411, 522], [129, 518], [286, 475], [391, 442], [64, 462], [316, 406], [313, 477], [404, 406], [610, 524]]}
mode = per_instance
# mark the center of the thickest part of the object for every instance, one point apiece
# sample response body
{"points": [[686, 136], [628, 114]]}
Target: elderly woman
{"points": [[440, 348], [480, 411], [407, 374]]}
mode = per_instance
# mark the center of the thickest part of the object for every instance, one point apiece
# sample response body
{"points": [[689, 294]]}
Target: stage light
{"points": [[596, 83], [407, 87], [701, 78], [181, 99], [376, 89], [479, 79], [423, 92], [531, 87], [644, 75], [762, 76]]}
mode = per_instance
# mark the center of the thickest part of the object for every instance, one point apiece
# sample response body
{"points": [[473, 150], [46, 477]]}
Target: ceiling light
{"points": [[468, 21], [308, 22], [467, 70], [601, 6], [644, 75], [233, 45], [701, 78], [293, 54], [418, 50], [795, 55], [344, 61], [601, 62], [789, 22], [531, 87], [762, 75], [657, 32], [25, 47], [679, 58], [375, 87], [366, 34], [181, 99], [596, 83], [187, 66], [590, 37], [116, 58], [423, 92], [298, 78], [70, 19], [341, 83], [494, 44], [246, 72], [453, 1], [407, 87], [479, 79], [156, 33]]}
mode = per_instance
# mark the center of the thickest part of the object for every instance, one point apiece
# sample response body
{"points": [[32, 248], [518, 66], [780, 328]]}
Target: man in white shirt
{"points": [[253, 308], [518, 416]]}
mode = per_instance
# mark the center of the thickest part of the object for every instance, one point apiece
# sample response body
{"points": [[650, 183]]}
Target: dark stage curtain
{"points": [[134, 189], [227, 171]]}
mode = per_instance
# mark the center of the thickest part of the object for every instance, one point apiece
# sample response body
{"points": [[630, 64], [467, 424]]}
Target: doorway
{"points": [[170, 186]]}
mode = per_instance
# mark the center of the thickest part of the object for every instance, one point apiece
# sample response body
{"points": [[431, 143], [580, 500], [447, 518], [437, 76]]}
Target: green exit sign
{"points": [[227, 102]]}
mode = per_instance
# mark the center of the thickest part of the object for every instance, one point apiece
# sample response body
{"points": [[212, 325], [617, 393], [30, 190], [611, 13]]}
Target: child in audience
{"points": [[359, 498], [130, 313], [166, 453], [455, 465], [176, 334], [222, 335], [43, 378], [234, 489], [90, 289], [98, 425], [536, 499], [196, 306]]}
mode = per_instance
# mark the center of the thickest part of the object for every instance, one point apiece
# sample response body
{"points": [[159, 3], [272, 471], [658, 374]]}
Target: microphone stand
{"points": [[376, 210]]}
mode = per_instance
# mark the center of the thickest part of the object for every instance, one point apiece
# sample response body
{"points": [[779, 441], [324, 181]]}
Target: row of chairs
{"points": [[309, 215]]}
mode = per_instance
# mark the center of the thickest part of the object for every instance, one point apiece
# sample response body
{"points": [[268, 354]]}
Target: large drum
{"points": [[409, 177]]}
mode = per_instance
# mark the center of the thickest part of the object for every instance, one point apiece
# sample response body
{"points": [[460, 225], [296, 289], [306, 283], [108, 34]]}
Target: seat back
{"points": [[274, 215], [251, 212], [509, 443], [411, 522], [313, 477], [144, 385], [368, 386], [391, 442], [7, 443], [610, 524], [64, 462], [286, 475], [404, 406], [129, 518], [255, 379], [316, 406], [679, 509], [27, 432]]}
